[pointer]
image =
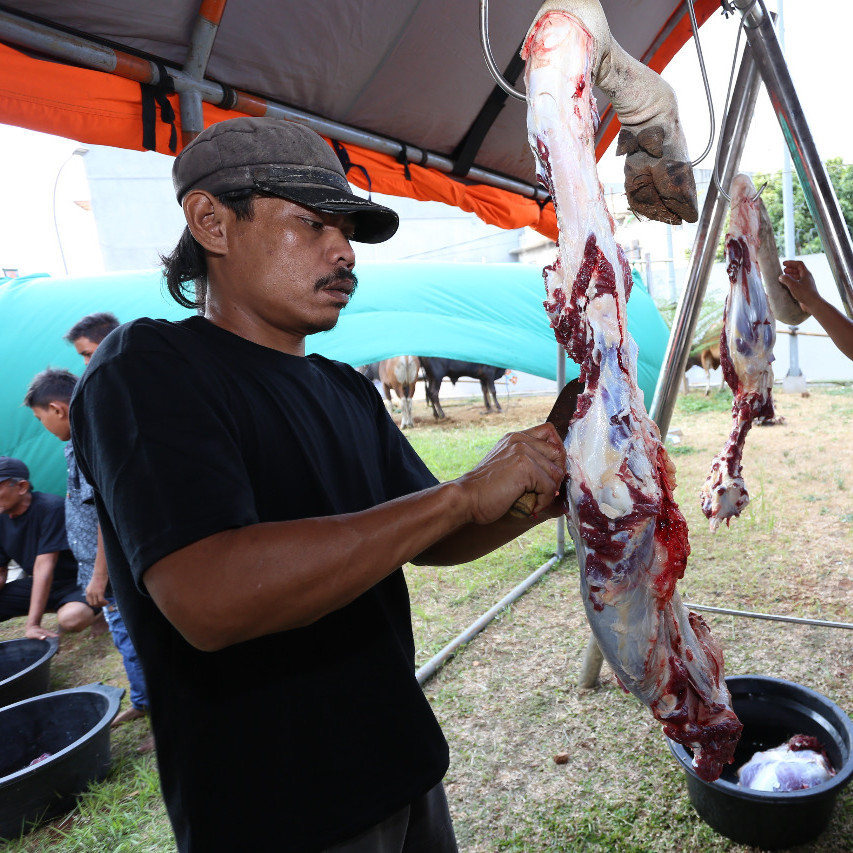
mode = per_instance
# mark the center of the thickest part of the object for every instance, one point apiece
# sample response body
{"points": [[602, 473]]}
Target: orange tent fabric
{"points": [[100, 108]]}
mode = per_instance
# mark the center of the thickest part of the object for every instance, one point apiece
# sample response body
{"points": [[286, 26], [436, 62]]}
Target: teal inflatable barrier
{"points": [[488, 313]]}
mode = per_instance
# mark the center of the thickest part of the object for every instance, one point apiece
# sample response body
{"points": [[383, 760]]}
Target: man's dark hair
{"points": [[188, 263], [95, 327], [50, 386]]}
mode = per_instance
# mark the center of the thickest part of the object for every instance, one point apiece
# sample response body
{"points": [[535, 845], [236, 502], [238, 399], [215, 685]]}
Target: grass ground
{"points": [[508, 701]]}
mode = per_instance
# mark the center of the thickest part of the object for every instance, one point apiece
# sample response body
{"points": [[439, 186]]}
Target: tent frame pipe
{"points": [[561, 520], [73, 49], [732, 139], [434, 664], [198, 55], [817, 187], [773, 617]]}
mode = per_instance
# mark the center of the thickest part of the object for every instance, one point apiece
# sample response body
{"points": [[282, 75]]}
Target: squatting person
{"points": [[32, 533]]}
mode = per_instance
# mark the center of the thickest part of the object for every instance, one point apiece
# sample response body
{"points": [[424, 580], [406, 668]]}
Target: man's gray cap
{"points": [[281, 158], [13, 469]]}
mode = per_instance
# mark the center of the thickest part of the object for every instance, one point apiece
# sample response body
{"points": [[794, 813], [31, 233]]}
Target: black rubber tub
{"points": [[25, 668], [771, 711], [73, 728]]}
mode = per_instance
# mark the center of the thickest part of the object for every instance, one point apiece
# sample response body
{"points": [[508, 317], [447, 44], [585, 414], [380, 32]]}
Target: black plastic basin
{"points": [[25, 668], [73, 726], [771, 711]]}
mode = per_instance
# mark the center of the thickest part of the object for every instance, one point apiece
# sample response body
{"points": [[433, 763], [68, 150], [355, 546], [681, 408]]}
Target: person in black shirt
{"points": [[257, 505], [32, 533]]}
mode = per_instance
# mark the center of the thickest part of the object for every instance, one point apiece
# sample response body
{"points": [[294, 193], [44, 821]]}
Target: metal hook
{"points": [[763, 187], [725, 195], [487, 54], [725, 111], [695, 27]]}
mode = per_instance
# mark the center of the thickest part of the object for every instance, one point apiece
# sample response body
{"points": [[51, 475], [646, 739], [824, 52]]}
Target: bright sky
{"points": [[41, 230], [816, 41]]}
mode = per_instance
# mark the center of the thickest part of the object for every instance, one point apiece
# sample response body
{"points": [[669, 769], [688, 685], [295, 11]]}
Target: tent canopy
{"points": [[402, 84], [489, 313]]}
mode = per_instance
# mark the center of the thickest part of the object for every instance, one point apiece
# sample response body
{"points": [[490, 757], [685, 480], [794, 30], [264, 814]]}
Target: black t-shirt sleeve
{"points": [[51, 535], [162, 456]]}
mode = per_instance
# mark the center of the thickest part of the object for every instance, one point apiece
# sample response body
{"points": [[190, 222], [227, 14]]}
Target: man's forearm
{"points": [[100, 576], [256, 580], [42, 580], [837, 325], [244, 583], [474, 540]]}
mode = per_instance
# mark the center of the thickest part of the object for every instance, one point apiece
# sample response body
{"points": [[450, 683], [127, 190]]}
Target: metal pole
{"points": [[433, 664], [773, 617], [670, 264], [732, 139], [561, 521], [198, 55], [787, 178], [817, 188], [649, 286]]}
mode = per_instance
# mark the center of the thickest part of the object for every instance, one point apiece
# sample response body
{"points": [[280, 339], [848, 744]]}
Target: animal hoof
{"points": [[661, 189]]}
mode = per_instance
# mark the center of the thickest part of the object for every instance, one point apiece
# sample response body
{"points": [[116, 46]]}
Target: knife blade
{"points": [[559, 417]]}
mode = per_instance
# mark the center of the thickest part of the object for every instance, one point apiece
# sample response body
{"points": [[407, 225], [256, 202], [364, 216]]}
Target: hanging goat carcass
{"points": [[630, 537], [746, 353]]}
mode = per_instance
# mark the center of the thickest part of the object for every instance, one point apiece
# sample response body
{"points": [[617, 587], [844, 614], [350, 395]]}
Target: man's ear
{"points": [[60, 407], [207, 220]]}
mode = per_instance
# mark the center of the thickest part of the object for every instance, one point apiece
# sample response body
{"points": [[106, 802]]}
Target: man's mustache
{"points": [[336, 277]]}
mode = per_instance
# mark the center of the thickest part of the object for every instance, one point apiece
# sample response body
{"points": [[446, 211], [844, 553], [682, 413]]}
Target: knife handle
{"points": [[523, 507]]}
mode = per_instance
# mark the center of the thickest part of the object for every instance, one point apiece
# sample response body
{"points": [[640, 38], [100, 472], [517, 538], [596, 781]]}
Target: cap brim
{"points": [[373, 222]]}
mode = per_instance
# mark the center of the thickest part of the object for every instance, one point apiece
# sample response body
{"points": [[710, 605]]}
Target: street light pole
{"points": [[77, 151]]}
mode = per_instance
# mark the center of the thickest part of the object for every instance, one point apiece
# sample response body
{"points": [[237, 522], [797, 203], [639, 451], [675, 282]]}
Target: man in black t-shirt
{"points": [[32, 533], [257, 505]]}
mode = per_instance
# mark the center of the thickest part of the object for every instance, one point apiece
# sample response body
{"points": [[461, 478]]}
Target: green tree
{"points": [[806, 239], [709, 324]]}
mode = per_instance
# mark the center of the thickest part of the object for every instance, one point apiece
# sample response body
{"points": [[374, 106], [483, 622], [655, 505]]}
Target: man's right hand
{"points": [[95, 593], [533, 460], [800, 282], [36, 632]]}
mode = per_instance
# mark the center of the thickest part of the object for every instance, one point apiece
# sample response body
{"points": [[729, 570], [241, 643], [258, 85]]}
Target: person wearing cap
{"points": [[32, 533], [261, 576]]}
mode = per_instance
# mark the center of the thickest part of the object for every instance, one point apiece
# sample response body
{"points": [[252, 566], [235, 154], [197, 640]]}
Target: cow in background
{"points": [[708, 359], [435, 369], [401, 374], [371, 371]]}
